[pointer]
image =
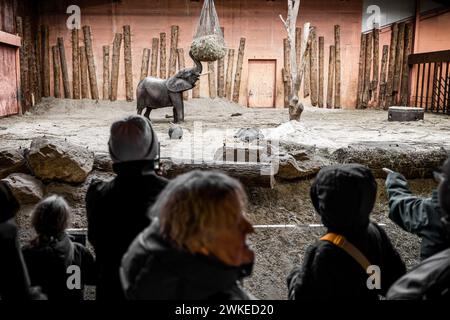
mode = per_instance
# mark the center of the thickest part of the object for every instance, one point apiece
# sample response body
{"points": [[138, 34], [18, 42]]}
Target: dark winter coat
{"points": [[420, 216], [117, 212], [153, 270], [48, 260], [429, 280], [344, 197]]}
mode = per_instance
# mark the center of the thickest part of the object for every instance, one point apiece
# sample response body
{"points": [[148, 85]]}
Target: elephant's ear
{"points": [[175, 84]]}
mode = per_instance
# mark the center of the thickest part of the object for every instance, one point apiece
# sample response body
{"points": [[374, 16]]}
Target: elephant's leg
{"points": [[147, 113], [139, 111], [178, 107]]}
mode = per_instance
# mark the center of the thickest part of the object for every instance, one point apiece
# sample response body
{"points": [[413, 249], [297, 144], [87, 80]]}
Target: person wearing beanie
{"points": [[14, 279], [430, 280], [337, 266], [117, 209]]}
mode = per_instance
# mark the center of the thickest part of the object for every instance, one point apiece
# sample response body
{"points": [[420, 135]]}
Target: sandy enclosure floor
{"points": [[277, 250]]}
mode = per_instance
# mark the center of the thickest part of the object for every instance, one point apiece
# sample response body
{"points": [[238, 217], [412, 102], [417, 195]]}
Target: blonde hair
{"points": [[196, 204]]}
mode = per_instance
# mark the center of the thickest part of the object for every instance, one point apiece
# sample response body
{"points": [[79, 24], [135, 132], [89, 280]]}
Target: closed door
{"points": [[8, 81], [261, 83]]}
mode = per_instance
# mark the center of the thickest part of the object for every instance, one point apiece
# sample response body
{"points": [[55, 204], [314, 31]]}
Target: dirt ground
{"points": [[277, 250]]}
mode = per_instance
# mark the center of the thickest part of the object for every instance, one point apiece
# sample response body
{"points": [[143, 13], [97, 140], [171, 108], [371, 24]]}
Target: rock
{"points": [[291, 169], [103, 162], [27, 189], [12, 161], [56, 159], [249, 134], [237, 114], [175, 132], [413, 160]]}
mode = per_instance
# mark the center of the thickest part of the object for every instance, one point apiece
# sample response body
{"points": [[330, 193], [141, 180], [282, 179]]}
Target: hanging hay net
{"points": [[208, 43]]}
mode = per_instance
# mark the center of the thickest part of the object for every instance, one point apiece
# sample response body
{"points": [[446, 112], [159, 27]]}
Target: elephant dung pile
{"points": [[208, 48]]}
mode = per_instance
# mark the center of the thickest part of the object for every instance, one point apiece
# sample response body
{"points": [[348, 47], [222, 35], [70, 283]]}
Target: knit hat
{"points": [[132, 139]]}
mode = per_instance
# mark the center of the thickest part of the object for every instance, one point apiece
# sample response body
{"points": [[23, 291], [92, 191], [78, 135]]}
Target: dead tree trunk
{"points": [[337, 67], [330, 78], [91, 62], [115, 67], [376, 65], [75, 65], [45, 61], [287, 72], [84, 74], [212, 80], [162, 56], [321, 70], [106, 72], [144, 64], [173, 50], [404, 96], [221, 78], [238, 74], [229, 80], [128, 58], [313, 74], [298, 50], [361, 68], [307, 84], [398, 61], [65, 73], [24, 83], [368, 65], [384, 60], [391, 68], [56, 73], [154, 63]]}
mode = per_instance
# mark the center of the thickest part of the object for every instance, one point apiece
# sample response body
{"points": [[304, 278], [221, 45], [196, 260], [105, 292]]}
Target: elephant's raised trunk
{"points": [[198, 64]]}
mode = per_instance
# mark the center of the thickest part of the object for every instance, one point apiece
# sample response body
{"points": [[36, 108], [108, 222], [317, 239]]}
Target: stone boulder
{"points": [[103, 162], [12, 161], [27, 189], [59, 160]]}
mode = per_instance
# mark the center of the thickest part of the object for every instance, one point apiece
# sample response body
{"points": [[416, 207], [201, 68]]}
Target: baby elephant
{"points": [[154, 93]]}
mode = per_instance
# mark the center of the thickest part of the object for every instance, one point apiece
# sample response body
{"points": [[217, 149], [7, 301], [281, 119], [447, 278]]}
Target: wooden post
{"points": [[65, 74], [298, 50], [174, 31], [182, 65], [91, 62], [384, 60], [367, 69], [398, 61], [162, 56], [321, 70], [361, 68], [307, 76], [221, 78], [330, 78], [84, 74], [39, 66], [154, 63], [376, 64], [228, 82], [24, 78], [287, 72], [144, 63], [337, 67], [128, 58], [56, 73], [391, 67], [238, 74], [75, 65], [45, 61], [212, 80], [106, 72], [115, 67], [404, 95], [313, 74]]}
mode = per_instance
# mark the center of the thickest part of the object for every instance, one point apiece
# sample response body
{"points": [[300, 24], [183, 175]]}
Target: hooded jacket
{"points": [[48, 261], [153, 270], [420, 216], [117, 211], [344, 196]]}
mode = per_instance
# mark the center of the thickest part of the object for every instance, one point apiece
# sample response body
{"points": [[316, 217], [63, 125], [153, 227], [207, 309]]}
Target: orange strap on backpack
{"points": [[342, 243]]}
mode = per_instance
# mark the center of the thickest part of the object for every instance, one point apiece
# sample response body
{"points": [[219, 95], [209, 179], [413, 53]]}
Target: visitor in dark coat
{"points": [[344, 196], [52, 252], [14, 279], [196, 249], [431, 278], [117, 209], [420, 216]]}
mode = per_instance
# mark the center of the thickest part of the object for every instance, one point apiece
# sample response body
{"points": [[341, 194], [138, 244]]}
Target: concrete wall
{"points": [[257, 20]]}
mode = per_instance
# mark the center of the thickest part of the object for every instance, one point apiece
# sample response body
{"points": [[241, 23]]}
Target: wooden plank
{"points": [[91, 62], [144, 63], [321, 70], [314, 62], [10, 39], [337, 67], [404, 92], [174, 32], [367, 71], [128, 58], [398, 60], [376, 65], [361, 68], [154, 63], [84, 74], [181, 66], [64, 72], [330, 78], [429, 57], [106, 79], [212, 80], [45, 61], [287, 72], [162, 56], [56, 72], [391, 67], [228, 82], [384, 60], [115, 63], [238, 74], [75, 64]]}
